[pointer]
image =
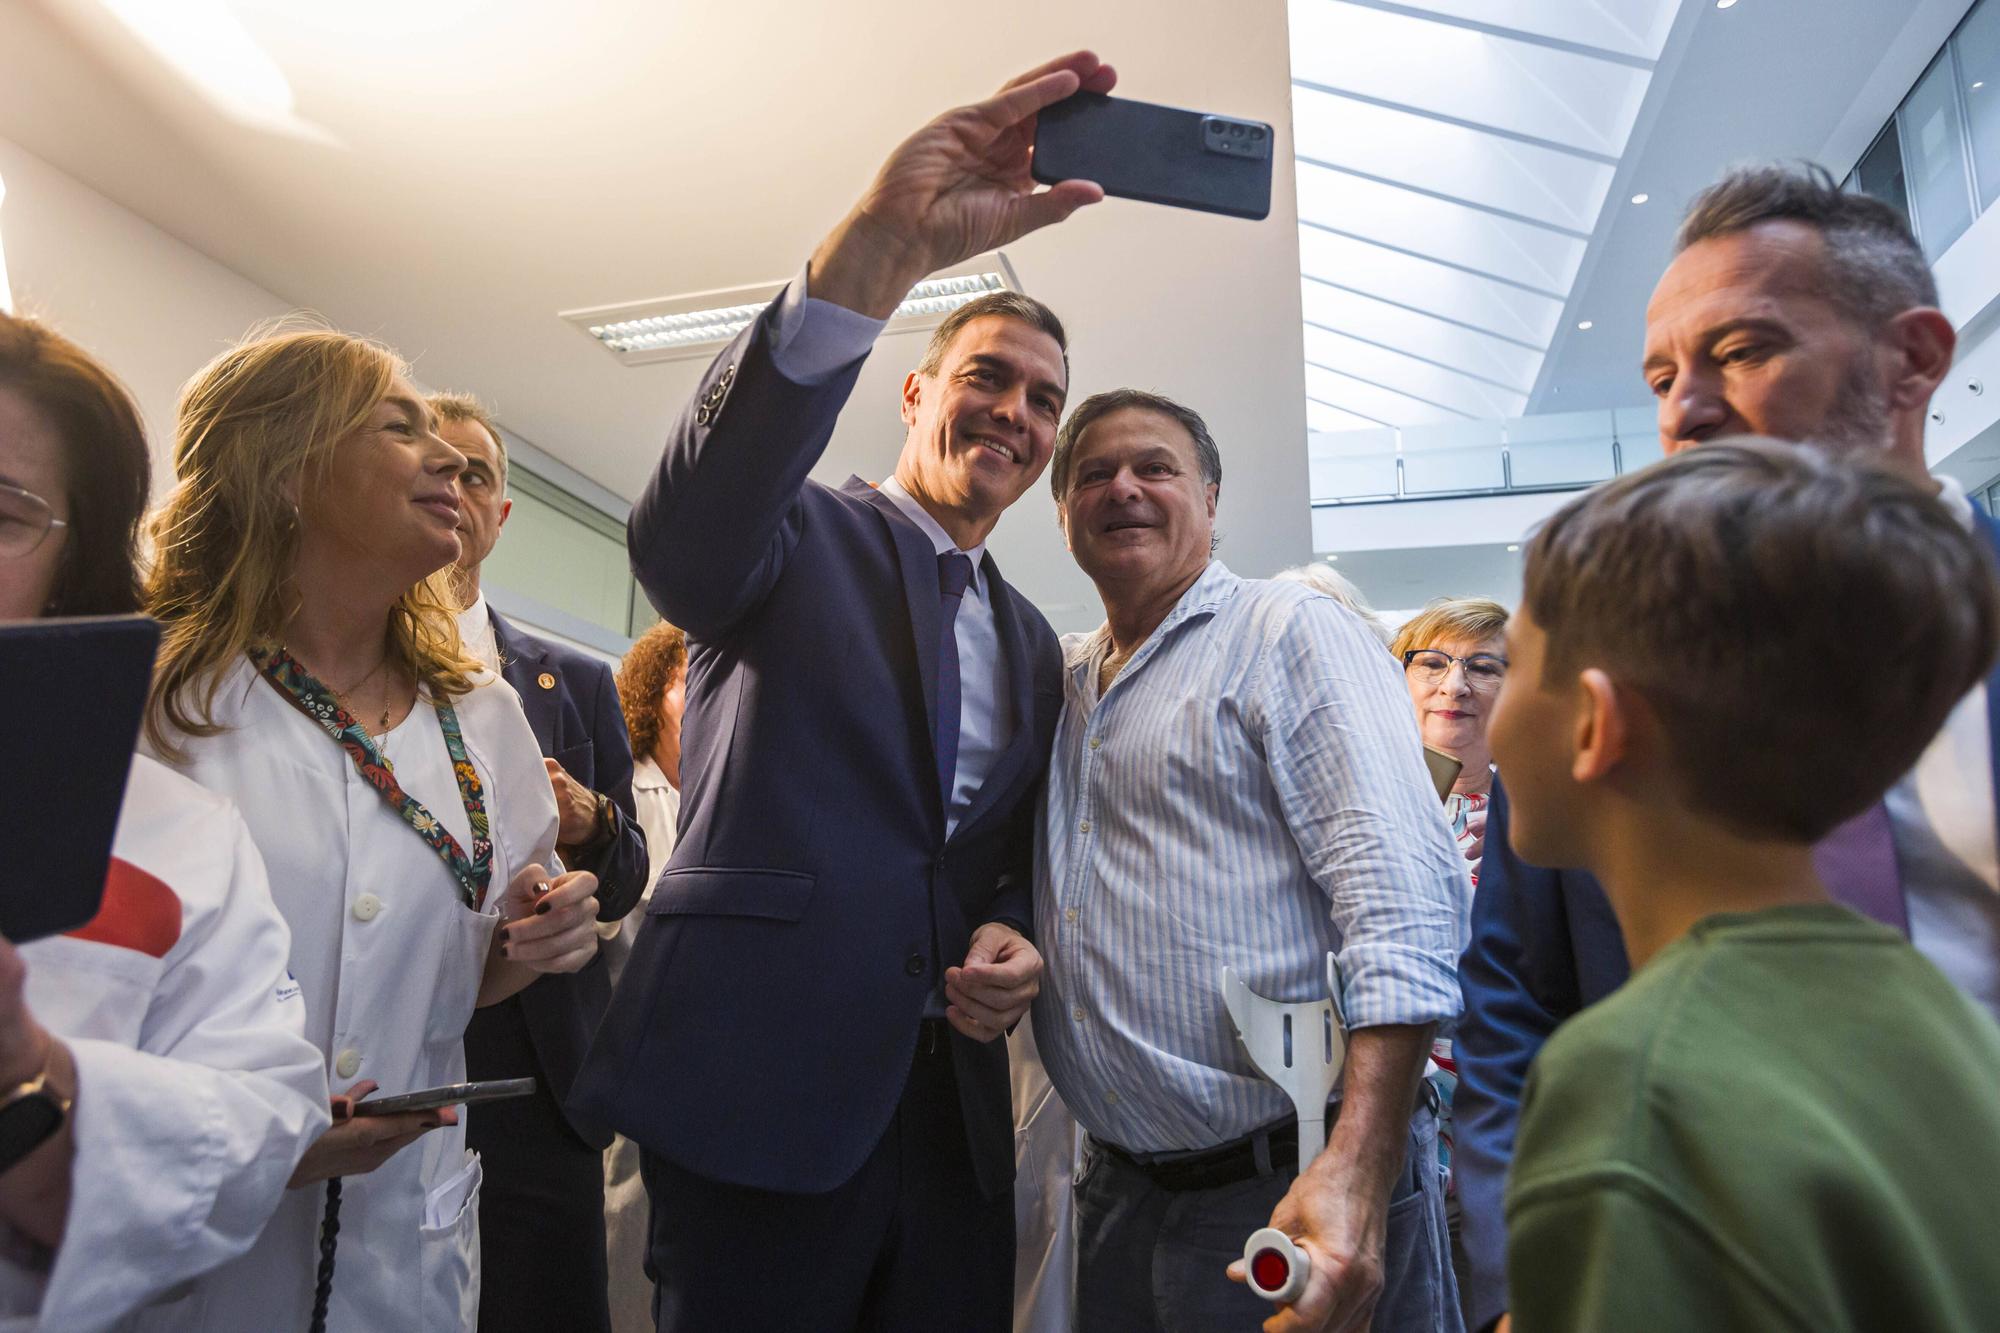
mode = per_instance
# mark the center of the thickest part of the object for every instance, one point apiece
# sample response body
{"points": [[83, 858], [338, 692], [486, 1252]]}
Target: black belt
{"points": [[1212, 1168], [933, 1037]]}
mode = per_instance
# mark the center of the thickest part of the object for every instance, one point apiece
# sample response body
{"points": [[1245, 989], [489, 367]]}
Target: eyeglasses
{"points": [[25, 519], [1483, 671]]}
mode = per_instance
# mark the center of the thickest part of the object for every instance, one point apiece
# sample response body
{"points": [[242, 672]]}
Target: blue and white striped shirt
{"points": [[1255, 765]]}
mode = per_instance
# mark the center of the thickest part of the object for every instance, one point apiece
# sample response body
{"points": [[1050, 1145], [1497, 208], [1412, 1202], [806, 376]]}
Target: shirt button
{"points": [[348, 1063], [1096, 741], [914, 965], [1111, 1098], [1069, 914], [1077, 1013], [367, 907], [1084, 827]]}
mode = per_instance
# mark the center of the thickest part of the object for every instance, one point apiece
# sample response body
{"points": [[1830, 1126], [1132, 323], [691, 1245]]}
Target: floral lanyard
{"points": [[313, 699]]}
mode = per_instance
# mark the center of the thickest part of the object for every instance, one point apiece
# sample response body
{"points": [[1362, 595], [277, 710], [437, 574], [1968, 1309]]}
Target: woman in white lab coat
{"points": [[167, 1022], [311, 671]]}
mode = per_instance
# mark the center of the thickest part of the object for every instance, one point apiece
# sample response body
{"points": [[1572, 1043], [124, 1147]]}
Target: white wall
{"points": [[151, 308], [1963, 440]]}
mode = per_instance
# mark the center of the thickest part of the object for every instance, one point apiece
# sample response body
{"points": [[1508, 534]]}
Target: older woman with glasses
{"points": [[1454, 656]]}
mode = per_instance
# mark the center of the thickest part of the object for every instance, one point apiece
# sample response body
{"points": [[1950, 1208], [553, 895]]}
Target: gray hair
{"points": [[1325, 579], [1875, 270], [1104, 404]]}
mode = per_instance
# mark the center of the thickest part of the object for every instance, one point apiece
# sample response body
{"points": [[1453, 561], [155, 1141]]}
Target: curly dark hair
{"points": [[650, 666]]}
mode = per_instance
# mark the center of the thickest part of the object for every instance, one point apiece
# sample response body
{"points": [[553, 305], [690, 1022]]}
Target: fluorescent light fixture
{"points": [[6, 293], [675, 328], [1725, 4], [1641, 197], [1585, 325]]}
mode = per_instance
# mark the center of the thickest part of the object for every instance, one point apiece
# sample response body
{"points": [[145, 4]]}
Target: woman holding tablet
{"points": [[311, 670], [156, 1087]]}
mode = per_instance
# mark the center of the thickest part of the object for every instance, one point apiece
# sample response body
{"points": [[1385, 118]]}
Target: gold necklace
{"points": [[342, 695]]}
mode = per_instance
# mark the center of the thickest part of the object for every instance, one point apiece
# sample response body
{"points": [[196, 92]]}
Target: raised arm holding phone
{"points": [[804, 1042]]}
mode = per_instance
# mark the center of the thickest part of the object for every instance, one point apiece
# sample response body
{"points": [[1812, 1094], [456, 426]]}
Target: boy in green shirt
{"points": [[1787, 1118]]}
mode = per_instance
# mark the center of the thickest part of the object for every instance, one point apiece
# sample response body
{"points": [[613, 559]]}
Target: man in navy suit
{"points": [[805, 1043], [541, 1204], [1791, 309]]}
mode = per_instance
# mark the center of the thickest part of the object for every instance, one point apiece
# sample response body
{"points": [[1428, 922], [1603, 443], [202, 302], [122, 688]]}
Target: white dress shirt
{"points": [[475, 627], [1947, 847], [1249, 792]]}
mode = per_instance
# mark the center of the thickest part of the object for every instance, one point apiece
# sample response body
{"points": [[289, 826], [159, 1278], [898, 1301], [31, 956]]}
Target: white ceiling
{"points": [[455, 172]]}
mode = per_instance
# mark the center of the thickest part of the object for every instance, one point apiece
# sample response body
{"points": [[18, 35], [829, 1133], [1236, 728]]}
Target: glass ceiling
{"points": [[1453, 158]]}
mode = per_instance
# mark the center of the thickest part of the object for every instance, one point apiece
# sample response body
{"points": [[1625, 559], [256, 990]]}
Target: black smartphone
{"points": [[451, 1094], [75, 692], [1157, 154]]}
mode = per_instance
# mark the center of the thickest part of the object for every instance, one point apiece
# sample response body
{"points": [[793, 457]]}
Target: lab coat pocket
{"points": [[461, 964], [450, 1243]]}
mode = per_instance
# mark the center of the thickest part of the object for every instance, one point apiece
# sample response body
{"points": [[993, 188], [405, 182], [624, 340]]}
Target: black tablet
{"points": [[73, 692]]}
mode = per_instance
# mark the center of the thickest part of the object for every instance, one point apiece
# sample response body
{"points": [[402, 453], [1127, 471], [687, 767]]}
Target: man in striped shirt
{"points": [[1236, 780]]}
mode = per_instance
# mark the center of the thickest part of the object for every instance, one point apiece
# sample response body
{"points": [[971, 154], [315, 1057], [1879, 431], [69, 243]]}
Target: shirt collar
{"points": [[647, 775], [1952, 496], [1203, 597], [940, 539], [475, 618]]}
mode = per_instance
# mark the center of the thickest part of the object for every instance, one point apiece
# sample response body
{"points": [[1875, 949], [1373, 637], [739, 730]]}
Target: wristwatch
{"points": [[601, 828], [30, 1115]]}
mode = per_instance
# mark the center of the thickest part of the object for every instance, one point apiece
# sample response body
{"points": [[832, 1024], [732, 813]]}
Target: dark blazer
{"points": [[577, 722], [766, 1022], [1544, 946]]}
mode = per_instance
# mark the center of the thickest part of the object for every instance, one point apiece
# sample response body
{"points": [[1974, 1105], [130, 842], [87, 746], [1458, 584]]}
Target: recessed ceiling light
{"points": [[675, 327], [1725, 4], [1584, 324], [1641, 197], [1333, 560], [1514, 547], [1977, 86]]}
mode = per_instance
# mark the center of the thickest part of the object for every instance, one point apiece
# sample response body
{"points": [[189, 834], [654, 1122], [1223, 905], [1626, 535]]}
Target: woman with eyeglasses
{"points": [[1454, 656], [311, 670], [156, 1086]]}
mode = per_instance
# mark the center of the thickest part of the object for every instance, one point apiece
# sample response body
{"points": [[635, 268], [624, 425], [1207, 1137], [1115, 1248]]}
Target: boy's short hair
{"points": [[1801, 624]]}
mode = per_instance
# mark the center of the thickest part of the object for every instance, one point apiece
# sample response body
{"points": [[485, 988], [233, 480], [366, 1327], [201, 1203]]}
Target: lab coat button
{"points": [[367, 907], [348, 1063]]}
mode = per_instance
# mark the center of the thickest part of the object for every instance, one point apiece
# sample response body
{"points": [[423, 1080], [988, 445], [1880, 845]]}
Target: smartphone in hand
{"points": [[1157, 154]]}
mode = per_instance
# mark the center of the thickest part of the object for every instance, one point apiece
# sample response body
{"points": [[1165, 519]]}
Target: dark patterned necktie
{"points": [[954, 572]]}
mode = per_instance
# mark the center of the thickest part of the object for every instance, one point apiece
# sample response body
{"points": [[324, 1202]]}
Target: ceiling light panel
{"points": [[1422, 285], [1454, 159], [675, 328], [1526, 180], [1468, 75]]}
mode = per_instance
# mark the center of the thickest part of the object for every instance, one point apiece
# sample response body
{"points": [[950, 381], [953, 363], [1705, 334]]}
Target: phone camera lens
{"points": [[1257, 132], [1236, 131]]}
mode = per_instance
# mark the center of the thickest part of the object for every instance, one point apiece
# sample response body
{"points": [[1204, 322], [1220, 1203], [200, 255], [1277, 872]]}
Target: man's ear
{"points": [[1602, 728], [506, 508], [912, 395], [1214, 491], [1922, 341], [1062, 521]]}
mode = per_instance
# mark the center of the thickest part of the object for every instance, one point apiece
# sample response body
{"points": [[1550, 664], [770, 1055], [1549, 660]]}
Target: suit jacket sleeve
{"points": [[620, 864], [711, 531], [1519, 982]]}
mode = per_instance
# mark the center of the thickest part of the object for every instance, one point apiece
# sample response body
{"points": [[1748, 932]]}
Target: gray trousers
{"points": [[1150, 1261]]}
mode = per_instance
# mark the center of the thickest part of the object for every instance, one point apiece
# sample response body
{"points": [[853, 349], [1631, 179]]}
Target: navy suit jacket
{"points": [[577, 722], [765, 1025], [1544, 945]]}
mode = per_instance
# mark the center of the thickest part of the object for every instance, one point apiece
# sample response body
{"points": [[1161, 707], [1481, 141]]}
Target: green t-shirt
{"points": [[1787, 1120]]}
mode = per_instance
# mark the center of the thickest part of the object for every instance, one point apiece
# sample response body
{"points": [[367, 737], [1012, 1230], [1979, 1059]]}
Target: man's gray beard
{"points": [[1858, 418]]}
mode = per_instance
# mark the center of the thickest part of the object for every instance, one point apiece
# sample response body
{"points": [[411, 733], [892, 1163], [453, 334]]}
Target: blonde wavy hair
{"points": [[257, 428]]}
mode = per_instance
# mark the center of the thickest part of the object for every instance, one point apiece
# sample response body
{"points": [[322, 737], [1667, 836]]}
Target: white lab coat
{"points": [[197, 1090], [390, 961]]}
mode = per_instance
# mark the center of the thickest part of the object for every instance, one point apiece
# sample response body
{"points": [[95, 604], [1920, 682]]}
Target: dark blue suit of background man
{"points": [[541, 1203], [805, 1041], [1798, 311]]}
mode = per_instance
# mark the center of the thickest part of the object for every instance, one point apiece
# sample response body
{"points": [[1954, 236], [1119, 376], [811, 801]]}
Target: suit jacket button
{"points": [[546, 681], [702, 414], [914, 965]]}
